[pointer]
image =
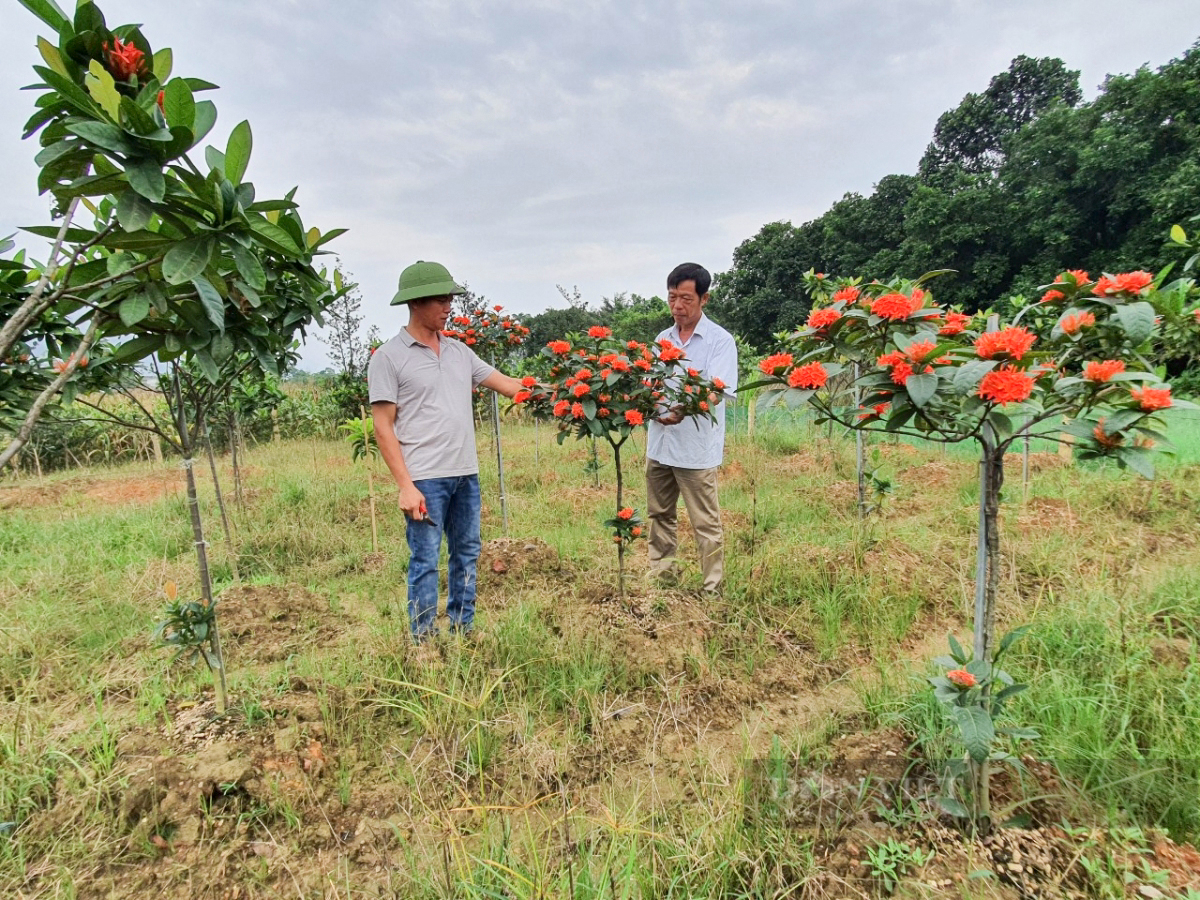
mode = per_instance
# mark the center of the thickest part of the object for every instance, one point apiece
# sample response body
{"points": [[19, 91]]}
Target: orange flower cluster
{"points": [[599, 332], [809, 376], [1101, 372], [1151, 399], [1053, 296], [1129, 283], [823, 318], [125, 60], [961, 678], [956, 323], [633, 417], [1080, 277], [1012, 343], [898, 306], [487, 331], [776, 364], [901, 367], [1104, 439], [1005, 385], [669, 352], [1075, 321], [920, 351], [846, 295]]}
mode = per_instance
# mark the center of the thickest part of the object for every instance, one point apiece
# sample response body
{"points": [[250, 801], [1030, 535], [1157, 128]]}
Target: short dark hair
{"points": [[690, 272]]}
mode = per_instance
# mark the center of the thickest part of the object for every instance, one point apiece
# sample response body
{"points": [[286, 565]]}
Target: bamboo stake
{"points": [[370, 478]]}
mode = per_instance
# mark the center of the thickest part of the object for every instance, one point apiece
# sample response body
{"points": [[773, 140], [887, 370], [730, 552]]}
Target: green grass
{"points": [[579, 750]]}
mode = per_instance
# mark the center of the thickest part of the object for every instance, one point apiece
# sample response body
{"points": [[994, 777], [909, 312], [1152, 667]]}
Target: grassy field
{"points": [[591, 745]]}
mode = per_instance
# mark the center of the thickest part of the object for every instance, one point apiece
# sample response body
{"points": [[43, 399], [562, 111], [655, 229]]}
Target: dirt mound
{"points": [[506, 559], [266, 623]]}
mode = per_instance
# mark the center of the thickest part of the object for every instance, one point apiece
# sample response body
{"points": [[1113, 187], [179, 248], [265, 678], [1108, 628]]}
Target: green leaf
{"points": [[328, 236], [214, 304], [48, 11], [146, 177], [956, 649], [133, 210], [70, 91], [1138, 321], [1178, 235], [589, 407], [103, 135], [54, 60], [250, 268], [210, 369], [138, 348], [55, 151], [921, 388], [1139, 459], [179, 106], [188, 258], [237, 152], [118, 263], [215, 159], [967, 378], [977, 730], [206, 117], [1001, 424], [141, 123], [222, 347], [103, 88], [954, 808], [274, 236], [134, 308], [164, 60]]}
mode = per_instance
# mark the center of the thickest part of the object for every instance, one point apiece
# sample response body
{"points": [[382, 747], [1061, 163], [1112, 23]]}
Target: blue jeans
{"points": [[454, 504]]}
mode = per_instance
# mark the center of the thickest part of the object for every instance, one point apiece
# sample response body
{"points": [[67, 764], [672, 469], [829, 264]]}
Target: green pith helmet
{"points": [[425, 279]]}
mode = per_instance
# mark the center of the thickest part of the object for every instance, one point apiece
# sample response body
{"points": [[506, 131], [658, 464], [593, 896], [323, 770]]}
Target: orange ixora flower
{"points": [[1075, 321], [583, 374], [1080, 276], [1005, 385], [1104, 439], [124, 59], [580, 389], [577, 410], [920, 351], [559, 347], [636, 530], [845, 295], [626, 513], [1013, 342], [1101, 372], [522, 396], [561, 407], [961, 678], [599, 332], [956, 323], [528, 381], [898, 306], [810, 376], [1134, 282], [718, 384], [668, 352], [1151, 399], [1053, 296], [633, 417], [823, 318], [773, 365]]}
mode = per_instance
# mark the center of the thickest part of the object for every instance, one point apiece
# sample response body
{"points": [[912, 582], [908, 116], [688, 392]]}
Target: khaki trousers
{"points": [[664, 485]]}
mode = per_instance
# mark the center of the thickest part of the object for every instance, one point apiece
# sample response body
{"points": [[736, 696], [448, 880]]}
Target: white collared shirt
{"points": [[697, 443]]}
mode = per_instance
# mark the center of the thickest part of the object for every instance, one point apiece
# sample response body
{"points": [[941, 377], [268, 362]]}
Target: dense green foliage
{"points": [[1018, 181]]}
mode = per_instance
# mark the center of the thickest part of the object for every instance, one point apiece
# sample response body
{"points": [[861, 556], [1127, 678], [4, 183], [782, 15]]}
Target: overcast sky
{"points": [[582, 143]]}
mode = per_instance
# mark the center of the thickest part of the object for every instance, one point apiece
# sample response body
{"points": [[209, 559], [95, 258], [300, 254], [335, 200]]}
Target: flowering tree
{"points": [[493, 335], [605, 388], [937, 374], [183, 268]]}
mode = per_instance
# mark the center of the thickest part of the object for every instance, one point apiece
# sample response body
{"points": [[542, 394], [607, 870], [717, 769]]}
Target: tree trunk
{"points": [[212, 466], [234, 453], [368, 458], [621, 543], [987, 582], [185, 443]]}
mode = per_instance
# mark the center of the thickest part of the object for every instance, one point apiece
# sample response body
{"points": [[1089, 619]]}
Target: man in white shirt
{"points": [[682, 456]]}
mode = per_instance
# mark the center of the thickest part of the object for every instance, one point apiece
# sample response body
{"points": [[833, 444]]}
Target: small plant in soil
{"points": [[892, 860], [191, 627]]}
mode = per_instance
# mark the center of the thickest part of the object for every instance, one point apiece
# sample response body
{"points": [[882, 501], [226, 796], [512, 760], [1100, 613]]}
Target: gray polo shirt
{"points": [[432, 393]]}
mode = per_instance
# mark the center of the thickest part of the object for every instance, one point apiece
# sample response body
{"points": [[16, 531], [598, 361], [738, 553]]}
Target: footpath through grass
{"points": [[588, 746]]}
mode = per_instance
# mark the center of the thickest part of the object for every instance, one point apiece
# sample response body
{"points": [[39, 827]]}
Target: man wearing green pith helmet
{"points": [[420, 386]]}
